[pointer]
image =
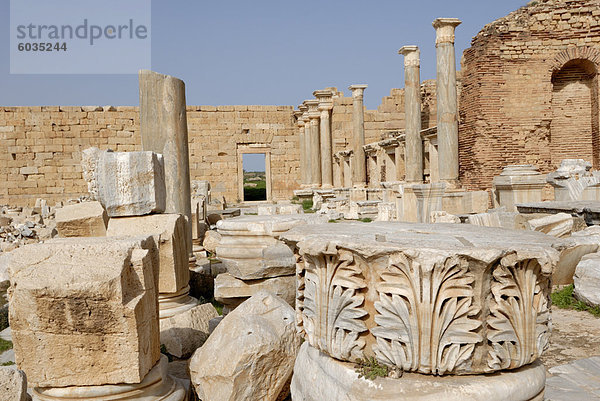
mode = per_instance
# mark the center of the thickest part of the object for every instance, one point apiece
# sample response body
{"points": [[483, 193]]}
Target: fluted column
{"points": [[314, 153], [447, 103], [359, 169], [300, 124], [412, 109], [325, 98]]}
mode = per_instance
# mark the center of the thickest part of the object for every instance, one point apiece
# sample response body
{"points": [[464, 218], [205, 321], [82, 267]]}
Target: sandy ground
{"points": [[575, 335]]}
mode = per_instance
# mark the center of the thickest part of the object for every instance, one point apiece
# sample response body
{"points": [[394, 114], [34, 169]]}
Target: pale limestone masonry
{"points": [[49, 141], [318, 377], [574, 181], [173, 270], [231, 291], [250, 249], [157, 385], [518, 184], [170, 231], [250, 355], [13, 384], [254, 257], [125, 183], [84, 311], [87, 219]]}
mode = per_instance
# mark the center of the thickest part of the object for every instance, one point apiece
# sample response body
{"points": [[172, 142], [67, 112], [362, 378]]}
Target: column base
{"points": [[172, 304], [319, 377], [156, 386], [192, 262]]}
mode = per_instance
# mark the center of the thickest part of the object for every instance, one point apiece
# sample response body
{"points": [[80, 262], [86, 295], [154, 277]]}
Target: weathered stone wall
{"points": [[530, 90], [40, 147]]}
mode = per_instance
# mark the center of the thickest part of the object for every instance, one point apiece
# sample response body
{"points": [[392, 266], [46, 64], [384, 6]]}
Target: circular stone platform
{"points": [[318, 377], [156, 386]]}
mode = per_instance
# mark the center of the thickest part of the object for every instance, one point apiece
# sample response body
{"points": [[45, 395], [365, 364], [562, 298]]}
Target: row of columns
{"points": [[447, 106], [314, 120], [316, 150]]}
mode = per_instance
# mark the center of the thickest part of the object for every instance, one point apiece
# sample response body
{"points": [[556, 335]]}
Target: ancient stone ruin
{"points": [[444, 246]]}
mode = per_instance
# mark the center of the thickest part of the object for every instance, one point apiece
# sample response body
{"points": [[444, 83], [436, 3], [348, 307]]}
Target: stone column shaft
{"points": [[359, 169], [447, 102], [163, 126], [314, 143], [325, 98], [301, 145], [412, 109], [326, 155], [306, 145]]}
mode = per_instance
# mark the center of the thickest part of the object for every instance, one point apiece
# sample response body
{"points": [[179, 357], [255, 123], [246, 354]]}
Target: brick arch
{"points": [[575, 53], [575, 124]]}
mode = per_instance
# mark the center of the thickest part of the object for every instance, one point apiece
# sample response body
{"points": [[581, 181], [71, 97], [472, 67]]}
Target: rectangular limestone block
{"points": [[174, 273], [126, 183], [84, 311], [88, 219]]}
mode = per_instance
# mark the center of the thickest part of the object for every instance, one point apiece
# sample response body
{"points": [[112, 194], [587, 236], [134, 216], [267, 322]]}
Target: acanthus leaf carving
{"points": [[519, 321], [332, 314], [299, 294], [425, 316]]}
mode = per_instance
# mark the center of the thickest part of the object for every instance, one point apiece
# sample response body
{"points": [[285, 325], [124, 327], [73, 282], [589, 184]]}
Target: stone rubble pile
{"points": [[574, 180], [25, 225]]}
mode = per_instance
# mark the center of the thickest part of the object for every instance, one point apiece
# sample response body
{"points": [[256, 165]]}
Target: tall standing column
{"points": [[314, 154], [163, 126], [359, 168], [300, 124], [412, 109], [306, 144], [447, 108], [325, 98]]}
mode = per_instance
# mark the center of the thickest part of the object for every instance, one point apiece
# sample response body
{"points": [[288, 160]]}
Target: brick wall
{"points": [[511, 109], [40, 147]]}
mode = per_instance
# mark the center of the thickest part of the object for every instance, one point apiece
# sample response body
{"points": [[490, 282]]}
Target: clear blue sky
{"points": [[266, 52], [254, 162]]}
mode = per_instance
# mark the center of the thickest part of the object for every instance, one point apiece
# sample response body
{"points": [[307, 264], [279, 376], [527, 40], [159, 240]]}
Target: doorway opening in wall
{"points": [[575, 128], [255, 180]]}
